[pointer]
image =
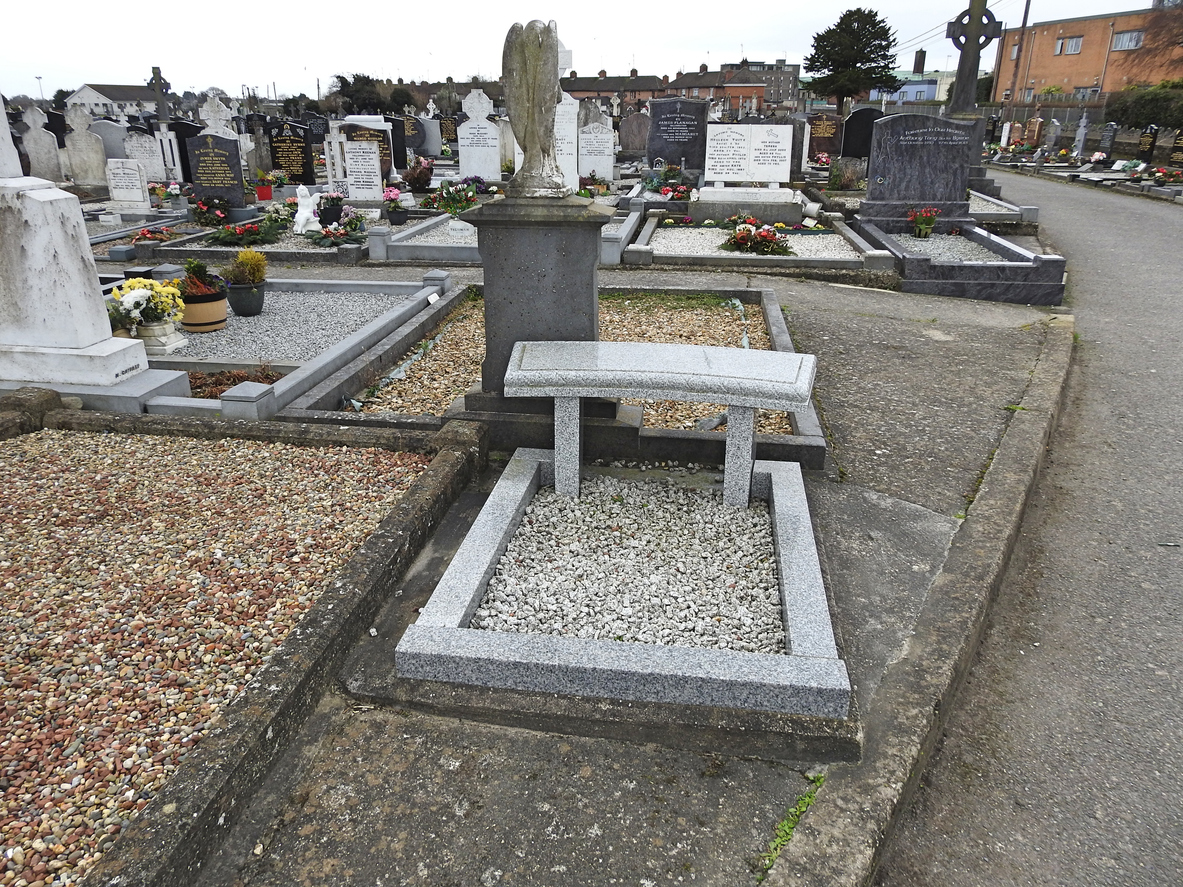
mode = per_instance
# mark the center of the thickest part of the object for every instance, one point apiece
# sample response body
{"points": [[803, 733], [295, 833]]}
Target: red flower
{"points": [[237, 230]]}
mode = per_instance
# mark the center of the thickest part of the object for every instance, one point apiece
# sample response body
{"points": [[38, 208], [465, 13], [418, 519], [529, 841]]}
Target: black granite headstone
{"points": [[185, 130], [1147, 143], [252, 119], [398, 141], [992, 129], [918, 161], [355, 132], [1108, 138], [318, 127], [55, 122], [857, 131], [217, 168], [825, 134], [291, 151], [678, 132], [448, 129], [1176, 158], [414, 134]]}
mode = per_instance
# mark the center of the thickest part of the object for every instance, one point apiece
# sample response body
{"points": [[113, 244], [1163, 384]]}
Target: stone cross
{"points": [[971, 32], [430, 108], [615, 103], [217, 119], [477, 105], [161, 86], [530, 70]]}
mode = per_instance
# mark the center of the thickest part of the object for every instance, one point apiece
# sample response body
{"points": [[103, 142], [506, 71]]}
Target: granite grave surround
{"points": [[809, 680]]}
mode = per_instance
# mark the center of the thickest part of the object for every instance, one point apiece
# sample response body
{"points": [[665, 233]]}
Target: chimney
{"points": [[603, 74], [665, 79], [633, 73], [702, 69]]}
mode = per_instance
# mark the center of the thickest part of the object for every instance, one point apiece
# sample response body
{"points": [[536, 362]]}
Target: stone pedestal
{"points": [[541, 257]]}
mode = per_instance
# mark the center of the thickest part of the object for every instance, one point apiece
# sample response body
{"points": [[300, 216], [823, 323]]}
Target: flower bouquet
{"points": [[923, 220], [159, 235], [142, 301], [452, 199], [764, 241]]}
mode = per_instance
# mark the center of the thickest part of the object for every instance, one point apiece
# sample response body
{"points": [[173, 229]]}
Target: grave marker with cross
{"points": [[971, 32]]}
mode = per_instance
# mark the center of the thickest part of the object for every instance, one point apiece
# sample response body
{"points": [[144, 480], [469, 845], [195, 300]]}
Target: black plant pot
{"points": [[246, 300], [329, 215], [397, 216]]}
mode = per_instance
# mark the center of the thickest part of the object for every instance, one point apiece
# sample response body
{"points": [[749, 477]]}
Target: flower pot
{"points": [[121, 333], [329, 215], [921, 233], [246, 299], [397, 216], [204, 317], [263, 192]]}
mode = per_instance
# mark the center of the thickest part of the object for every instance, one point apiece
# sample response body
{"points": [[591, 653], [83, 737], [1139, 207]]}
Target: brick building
{"points": [[1085, 56]]}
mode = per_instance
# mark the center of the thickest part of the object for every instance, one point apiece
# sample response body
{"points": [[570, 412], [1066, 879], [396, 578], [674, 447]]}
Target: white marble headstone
{"points": [[10, 160], [479, 138], [567, 140], [145, 148], [127, 183], [596, 151], [363, 170], [217, 119]]}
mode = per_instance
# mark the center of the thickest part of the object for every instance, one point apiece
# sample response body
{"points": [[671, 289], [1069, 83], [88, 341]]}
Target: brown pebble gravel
{"points": [[453, 363], [143, 580]]}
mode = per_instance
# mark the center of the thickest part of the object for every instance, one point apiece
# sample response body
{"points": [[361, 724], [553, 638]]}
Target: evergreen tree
{"points": [[853, 56]]}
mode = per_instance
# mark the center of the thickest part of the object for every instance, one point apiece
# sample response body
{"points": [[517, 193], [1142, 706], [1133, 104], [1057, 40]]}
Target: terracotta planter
{"points": [[205, 317], [246, 300], [263, 192]]}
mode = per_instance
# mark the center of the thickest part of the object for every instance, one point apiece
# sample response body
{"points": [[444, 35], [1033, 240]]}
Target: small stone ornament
{"points": [[306, 203]]}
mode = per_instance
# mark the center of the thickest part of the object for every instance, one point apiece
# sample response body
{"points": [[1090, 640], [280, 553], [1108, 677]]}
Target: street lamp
{"points": [[39, 87]]}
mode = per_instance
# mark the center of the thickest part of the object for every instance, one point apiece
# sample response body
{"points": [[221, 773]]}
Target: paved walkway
{"points": [[1063, 762]]}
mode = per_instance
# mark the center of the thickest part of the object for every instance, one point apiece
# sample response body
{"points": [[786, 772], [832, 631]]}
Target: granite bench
{"points": [[741, 378]]}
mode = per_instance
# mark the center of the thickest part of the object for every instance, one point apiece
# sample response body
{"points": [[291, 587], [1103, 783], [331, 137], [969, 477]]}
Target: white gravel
{"points": [[947, 248], [649, 562], [679, 241], [292, 327], [978, 204], [441, 235]]}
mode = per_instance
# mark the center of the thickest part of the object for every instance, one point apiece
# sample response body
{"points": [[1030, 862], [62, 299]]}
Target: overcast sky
{"points": [[230, 44]]}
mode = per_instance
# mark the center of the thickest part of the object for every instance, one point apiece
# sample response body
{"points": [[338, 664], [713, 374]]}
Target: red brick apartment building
{"points": [[1089, 55]]}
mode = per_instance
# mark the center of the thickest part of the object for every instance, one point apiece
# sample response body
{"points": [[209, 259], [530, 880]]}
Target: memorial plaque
{"points": [[825, 134], [917, 160], [142, 146], [291, 151], [748, 153], [448, 129], [857, 130], [678, 132], [597, 150], [363, 170], [1108, 138], [727, 153], [355, 132], [1147, 142], [415, 135], [479, 138], [770, 153], [216, 163], [1176, 158]]}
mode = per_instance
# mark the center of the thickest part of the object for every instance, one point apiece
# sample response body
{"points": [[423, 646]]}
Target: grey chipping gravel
{"points": [[947, 248], [679, 240]]}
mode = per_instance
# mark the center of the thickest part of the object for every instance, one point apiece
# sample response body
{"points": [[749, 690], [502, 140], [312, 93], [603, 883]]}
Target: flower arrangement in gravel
{"points": [[923, 220], [676, 192], [332, 198], [452, 199], [1165, 176], [351, 219], [763, 241], [390, 199], [249, 233], [682, 220], [210, 211], [418, 174], [742, 218], [159, 235], [199, 285], [334, 236], [141, 300], [280, 214], [480, 186], [1098, 157], [662, 178], [279, 178], [822, 159]]}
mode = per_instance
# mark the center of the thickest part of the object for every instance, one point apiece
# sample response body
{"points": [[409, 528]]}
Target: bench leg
{"points": [[568, 446], [741, 450]]}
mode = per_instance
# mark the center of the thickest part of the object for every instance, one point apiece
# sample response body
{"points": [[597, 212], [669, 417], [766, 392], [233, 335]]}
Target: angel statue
{"points": [[305, 220], [530, 68]]}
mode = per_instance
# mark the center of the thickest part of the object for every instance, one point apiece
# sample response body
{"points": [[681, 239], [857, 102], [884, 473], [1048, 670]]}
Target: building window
{"points": [[1127, 40], [1014, 51], [694, 92], [1068, 45], [1027, 95]]}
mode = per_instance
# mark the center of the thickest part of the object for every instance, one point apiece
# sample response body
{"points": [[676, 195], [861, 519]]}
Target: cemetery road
{"points": [[1062, 762]]}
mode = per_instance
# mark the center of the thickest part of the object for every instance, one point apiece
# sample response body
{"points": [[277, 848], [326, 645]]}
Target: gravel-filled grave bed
{"points": [[948, 248], [681, 241], [143, 581], [448, 362]]}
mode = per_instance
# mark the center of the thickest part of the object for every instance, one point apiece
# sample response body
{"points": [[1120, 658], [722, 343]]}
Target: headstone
{"points": [[1004, 138], [567, 140], [918, 161], [433, 143], [614, 104], [217, 168], [1147, 143], [291, 151], [509, 145], [448, 129], [479, 138], [1108, 138], [589, 113], [374, 129], [801, 137], [398, 143], [597, 151], [1082, 134], [1051, 135], [634, 133], [1176, 158], [42, 147], [1033, 132], [857, 130], [55, 122], [415, 136], [363, 170], [112, 134], [748, 153], [678, 132], [88, 162], [217, 119], [992, 129], [143, 147], [239, 125], [127, 184], [825, 134], [318, 127]]}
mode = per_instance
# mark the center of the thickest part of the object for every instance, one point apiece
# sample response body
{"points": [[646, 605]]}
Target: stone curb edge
{"points": [[172, 838], [839, 842]]}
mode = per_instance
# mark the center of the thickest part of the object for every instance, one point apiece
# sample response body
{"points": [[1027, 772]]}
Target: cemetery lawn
{"points": [[448, 362], [143, 581]]}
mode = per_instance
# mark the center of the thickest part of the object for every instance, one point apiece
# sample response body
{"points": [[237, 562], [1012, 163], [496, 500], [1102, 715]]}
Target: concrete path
{"points": [[1063, 760]]}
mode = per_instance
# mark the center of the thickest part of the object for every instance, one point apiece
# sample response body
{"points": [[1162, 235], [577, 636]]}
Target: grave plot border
{"points": [[795, 706], [182, 827], [179, 250]]}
